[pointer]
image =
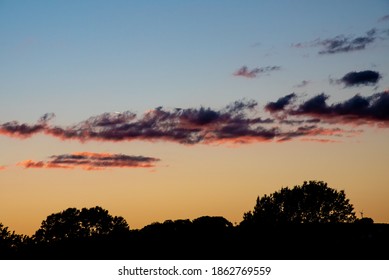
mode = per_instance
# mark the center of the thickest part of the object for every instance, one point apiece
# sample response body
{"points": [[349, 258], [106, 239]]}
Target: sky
{"points": [[179, 109]]}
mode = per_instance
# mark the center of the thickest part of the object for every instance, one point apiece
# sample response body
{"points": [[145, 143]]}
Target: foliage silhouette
{"points": [[80, 224], [212, 223], [313, 202], [183, 239], [9, 242], [311, 221]]}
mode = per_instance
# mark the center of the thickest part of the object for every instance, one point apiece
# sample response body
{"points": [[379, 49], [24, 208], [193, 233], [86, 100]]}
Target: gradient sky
{"points": [[177, 109]]}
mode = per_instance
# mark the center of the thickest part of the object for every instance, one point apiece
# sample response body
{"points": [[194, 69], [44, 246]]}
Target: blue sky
{"points": [[137, 55]]}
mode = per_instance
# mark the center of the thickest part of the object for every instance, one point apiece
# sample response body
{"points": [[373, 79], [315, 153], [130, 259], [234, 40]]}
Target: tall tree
{"points": [[313, 202]]}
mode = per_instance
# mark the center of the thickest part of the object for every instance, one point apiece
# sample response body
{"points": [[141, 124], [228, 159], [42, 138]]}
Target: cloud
{"points": [[384, 18], [357, 110], [31, 164], [238, 122], [298, 122], [92, 161], [316, 104], [302, 84], [185, 126], [46, 118], [365, 78], [319, 140], [281, 103], [343, 43], [245, 72], [314, 131], [24, 130]]}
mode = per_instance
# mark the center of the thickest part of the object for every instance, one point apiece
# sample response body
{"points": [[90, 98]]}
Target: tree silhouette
{"points": [[9, 241], [311, 221], [184, 239], [313, 202], [212, 227], [80, 224]]}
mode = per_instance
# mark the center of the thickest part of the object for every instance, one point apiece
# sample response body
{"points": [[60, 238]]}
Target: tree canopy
{"points": [[312, 202], [73, 223]]}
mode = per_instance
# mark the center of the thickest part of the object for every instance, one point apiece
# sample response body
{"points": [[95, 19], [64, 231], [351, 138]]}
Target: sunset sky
{"points": [[159, 110]]}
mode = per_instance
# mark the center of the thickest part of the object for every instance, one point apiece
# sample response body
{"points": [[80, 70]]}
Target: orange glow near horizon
{"points": [[195, 181]]}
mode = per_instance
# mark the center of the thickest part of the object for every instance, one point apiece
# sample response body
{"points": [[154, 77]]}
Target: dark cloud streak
{"points": [[23, 130], [92, 161], [343, 43], [245, 72]]}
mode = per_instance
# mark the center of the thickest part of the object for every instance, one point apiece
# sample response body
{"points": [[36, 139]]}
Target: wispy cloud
{"points": [[362, 78], [245, 72], [384, 18], [310, 131], [344, 43], [303, 83], [92, 161], [319, 140]]}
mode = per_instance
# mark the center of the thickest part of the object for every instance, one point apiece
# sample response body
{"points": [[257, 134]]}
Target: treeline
{"points": [[311, 221]]}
